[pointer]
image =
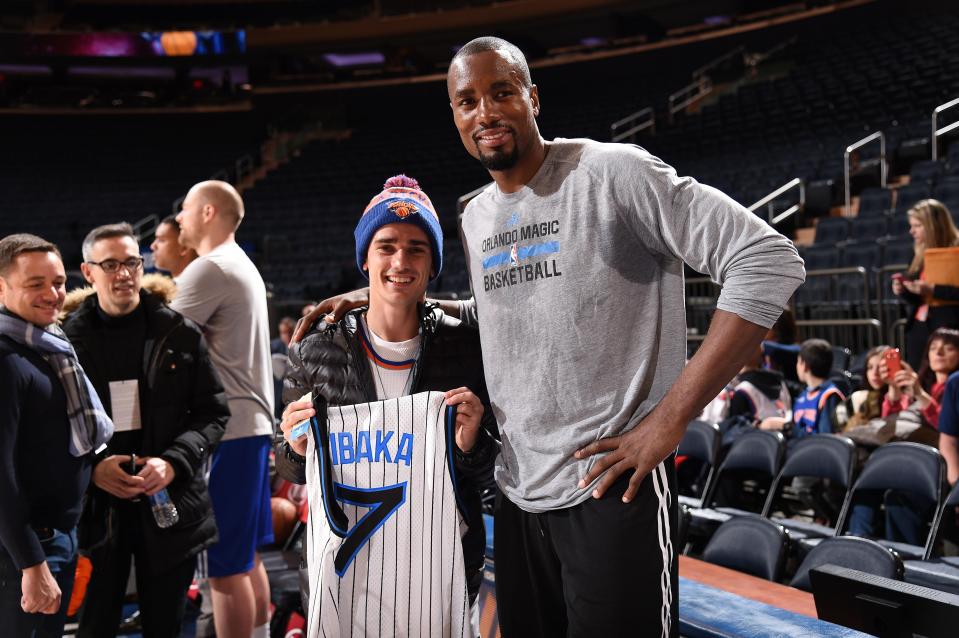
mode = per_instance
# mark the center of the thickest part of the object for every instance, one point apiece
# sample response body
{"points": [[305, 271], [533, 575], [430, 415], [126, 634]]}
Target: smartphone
{"points": [[893, 362], [132, 469]]}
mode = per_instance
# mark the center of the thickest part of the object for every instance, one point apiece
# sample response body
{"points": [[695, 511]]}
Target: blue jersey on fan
{"points": [[813, 409]]}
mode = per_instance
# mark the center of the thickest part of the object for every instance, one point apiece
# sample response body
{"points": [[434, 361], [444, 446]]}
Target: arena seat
{"points": [[897, 251], [935, 570], [701, 442], [873, 202], [867, 254], [831, 230], [821, 456], [754, 458], [908, 196], [868, 228], [749, 544], [861, 554], [903, 466], [925, 172], [897, 225]]}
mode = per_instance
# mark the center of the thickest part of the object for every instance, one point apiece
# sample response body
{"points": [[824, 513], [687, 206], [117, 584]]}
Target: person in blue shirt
{"points": [[949, 428], [813, 409]]}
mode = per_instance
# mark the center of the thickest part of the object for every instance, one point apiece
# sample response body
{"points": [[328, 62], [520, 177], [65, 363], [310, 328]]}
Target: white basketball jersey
{"points": [[384, 530]]}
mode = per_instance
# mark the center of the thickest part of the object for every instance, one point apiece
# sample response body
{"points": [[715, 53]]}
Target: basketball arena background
{"points": [[828, 119]]}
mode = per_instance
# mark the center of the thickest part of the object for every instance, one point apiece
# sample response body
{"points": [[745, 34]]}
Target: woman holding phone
{"points": [[930, 226], [925, 388]]}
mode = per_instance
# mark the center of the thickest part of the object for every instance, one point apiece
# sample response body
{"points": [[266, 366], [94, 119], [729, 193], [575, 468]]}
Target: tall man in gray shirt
{"points": [[576, 262], [223, 292]]}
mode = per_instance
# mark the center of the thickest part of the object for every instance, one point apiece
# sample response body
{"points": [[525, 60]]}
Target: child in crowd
{"points": [[813, 410], [756, 393], [867, 403]]}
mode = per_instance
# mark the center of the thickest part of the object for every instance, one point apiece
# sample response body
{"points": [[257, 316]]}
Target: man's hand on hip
{"points": [[641, 449], [730, 342]]}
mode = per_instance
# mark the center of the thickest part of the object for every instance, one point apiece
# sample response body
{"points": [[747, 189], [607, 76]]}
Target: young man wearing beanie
{"points": [[396, 346]]}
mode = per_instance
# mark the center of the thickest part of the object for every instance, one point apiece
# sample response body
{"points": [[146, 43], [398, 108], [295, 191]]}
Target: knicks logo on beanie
{"points": [[401, 201], [403, 209]]}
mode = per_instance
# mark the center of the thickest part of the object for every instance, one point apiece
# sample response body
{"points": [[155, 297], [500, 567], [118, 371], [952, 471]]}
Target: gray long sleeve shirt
{"points": [[578, 284]]}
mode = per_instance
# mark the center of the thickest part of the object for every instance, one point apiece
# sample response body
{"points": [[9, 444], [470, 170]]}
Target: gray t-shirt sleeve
{"points": [[199, 291], [758, 268], [468, 314]]}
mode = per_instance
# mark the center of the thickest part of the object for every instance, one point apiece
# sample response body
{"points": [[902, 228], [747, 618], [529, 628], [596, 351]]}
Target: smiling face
{"points": [[33, 287], [399, 263], [118, 292], [493, 109]]}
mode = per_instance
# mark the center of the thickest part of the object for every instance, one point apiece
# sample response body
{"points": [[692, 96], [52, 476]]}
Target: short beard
{"points": [[498, 160]]}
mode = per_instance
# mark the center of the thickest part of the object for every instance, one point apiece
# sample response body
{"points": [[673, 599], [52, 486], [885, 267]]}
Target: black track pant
{"points": [[600, 568], [161, 590]]}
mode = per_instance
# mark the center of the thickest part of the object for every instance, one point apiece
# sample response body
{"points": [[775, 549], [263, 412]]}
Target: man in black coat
{"points": [[150, 366]]}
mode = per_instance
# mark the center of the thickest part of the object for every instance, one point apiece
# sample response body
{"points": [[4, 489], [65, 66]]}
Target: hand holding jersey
{"points": [[294, 415], [469, 412]]}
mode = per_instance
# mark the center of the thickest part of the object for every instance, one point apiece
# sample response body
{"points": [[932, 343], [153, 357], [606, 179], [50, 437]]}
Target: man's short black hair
{"points": [[490, 43], [817, 355], [171, 220], [12, 246]]}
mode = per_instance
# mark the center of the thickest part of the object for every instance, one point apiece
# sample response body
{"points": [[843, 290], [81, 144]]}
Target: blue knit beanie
{"points": [[401, 202]]}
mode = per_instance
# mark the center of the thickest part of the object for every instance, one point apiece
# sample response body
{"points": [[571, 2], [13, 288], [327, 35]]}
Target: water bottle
{"points": [[164, 511]]}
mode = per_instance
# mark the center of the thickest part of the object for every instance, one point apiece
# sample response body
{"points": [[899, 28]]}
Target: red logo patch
{"points": [[403, 209]]}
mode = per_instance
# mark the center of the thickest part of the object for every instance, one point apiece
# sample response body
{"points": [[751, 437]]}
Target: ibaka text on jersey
{"points": [[346, 449], [524, 233]]}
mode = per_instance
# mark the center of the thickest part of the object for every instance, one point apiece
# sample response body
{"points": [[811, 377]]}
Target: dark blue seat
{"points": [[937, 573], [897, 251], [873, 202], [947, 189], [935, 570], [866, 254], [867, 228], [701, 442], [905, 467], [821, 257], [925, 172], [830, 230], [822, 456], [757, 455], [907, 196], [898, 225], [751, 545], [851, 552]]}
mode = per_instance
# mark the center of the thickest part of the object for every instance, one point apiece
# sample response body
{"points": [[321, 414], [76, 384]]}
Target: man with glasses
{"points": [[151, 368]]}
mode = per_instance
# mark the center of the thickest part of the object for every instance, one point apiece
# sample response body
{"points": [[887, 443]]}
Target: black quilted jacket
{"points": [[330, 362]]}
